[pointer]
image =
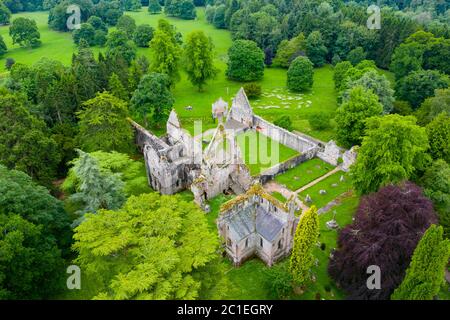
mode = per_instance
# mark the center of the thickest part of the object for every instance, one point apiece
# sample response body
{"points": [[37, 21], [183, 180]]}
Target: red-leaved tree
{"points": [[387, 227]]}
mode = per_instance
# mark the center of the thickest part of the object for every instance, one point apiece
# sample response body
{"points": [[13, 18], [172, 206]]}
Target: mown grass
{"points": [[260, 152], [320, 200], [304, 173], [278, 196]]}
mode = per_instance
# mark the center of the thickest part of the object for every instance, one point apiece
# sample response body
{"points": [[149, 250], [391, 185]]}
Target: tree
{"points": [[164, 243], [393, 149], [20, 195], [25, 32], [245, 61], [100, 38], [25, 143], [86, 72], [218, 20], [340, 73], [97, 23], [284, 122], [356, 55], [436, 186], [199, 58], [116, 87], [289, 50], [166, 55], [351, 116], [419, 85], [305, 239], [184, 9], [438, 132], [31, 266], [379, 84], [5, 14], [127, 25], [433, 106], [315, 49], [143, 35], [153, 97], [57, 17], [154, 6], [386, 228], [407, 57], [426, 273], [252, 90], [86, 32], [319, 120], [103, 124], [120, 45], [96, 189], [300, 74], [131, 172], [3, 47]]}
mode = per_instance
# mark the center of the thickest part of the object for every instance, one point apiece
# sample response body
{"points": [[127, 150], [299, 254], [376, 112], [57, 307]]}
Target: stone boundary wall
{"points": [[143, 136], [282, 167], [283, 136]]}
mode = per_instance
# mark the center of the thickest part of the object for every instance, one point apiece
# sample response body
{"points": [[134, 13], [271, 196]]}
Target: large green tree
{"points": [[305, 240], [199, 58], [360, 105], [300, 74], [24, 32], [245, 61], [127, 25], [426, 273], [433, 106], [315, 49], [104, 125], [151, 248], [119, 44], [20, 195], [419, 85], [143, 35], [96, 189], [166, 55], [393, 149], [25, 141], [31, 266], [438, 132], [436, 184], [153, 98]]}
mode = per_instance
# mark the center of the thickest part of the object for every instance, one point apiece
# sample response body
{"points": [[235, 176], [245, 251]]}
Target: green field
{"points": [[59, 46], [332, 192], [260, 152], [304, 173]]}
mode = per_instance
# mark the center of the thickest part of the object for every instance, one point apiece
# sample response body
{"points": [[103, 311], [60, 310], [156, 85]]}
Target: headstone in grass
{"points": [[308, 198], [341, 179], [323, 192], [334, 185]]}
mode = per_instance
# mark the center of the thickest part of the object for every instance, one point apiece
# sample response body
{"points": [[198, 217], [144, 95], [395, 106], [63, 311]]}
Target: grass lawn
{"points": [[260, 152], [59, 46], [320, 200], [304, 173]]}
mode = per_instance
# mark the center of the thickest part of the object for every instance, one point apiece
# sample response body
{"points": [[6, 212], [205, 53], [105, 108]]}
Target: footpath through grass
{"points": [[304, 173]]}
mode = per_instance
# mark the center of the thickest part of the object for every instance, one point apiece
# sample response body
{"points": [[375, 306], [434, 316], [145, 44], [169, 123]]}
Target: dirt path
{"points": [[273, 186]]}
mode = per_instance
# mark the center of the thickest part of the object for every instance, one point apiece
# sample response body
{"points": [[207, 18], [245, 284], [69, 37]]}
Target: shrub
{"points": [[319, 120], [284, 122], [252, 90], [9, 63]]}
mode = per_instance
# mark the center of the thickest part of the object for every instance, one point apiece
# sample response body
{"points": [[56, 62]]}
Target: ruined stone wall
{"points": [[282, 136], [280, 168]]}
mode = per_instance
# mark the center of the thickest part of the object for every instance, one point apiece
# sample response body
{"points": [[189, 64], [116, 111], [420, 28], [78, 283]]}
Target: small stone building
{"points": [[220, 110], [257, 224]]}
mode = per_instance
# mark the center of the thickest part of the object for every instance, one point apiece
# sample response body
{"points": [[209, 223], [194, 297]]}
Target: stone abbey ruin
{"points": [[253, 223]]}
